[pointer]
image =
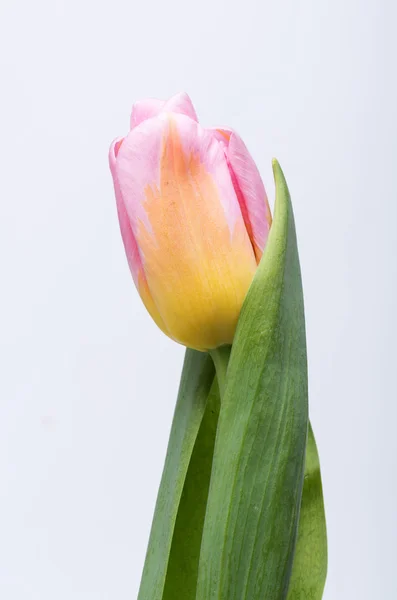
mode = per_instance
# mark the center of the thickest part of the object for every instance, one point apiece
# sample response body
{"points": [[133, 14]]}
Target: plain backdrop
{"points": [[88, 383]]}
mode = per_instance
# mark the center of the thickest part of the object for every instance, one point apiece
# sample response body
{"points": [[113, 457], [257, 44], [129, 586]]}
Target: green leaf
{"points": [[309, 569], [181, 581], [196, 381], [255, 492]]}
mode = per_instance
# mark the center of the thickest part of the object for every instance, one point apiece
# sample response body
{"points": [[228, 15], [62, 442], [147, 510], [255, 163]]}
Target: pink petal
{"points": [[138, 164], [181, 104], [145, 109], [249, 188], [222, 134], [130, 245]]}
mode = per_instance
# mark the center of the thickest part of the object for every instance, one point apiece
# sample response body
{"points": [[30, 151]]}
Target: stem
{"points": [[221, 356]]}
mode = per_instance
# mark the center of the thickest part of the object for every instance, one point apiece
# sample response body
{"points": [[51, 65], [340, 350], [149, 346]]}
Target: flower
{"points": [[194, 219]]}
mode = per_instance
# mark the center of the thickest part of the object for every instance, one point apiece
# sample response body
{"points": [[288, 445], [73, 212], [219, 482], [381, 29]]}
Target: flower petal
{"points": [[195, 251], [130, 245], [249, 188], [181, 104], [145, 109]]}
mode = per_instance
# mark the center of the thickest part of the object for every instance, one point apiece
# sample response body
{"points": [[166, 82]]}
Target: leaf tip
{"points": [[278, 172]]}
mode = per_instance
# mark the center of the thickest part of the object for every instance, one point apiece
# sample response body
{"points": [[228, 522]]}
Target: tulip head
{"points": [[194, 219]]}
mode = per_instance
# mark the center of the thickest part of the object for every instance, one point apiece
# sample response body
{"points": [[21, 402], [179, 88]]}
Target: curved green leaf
{"points": [[309, 569], [181, 580], [256, 484], [196, 381]]}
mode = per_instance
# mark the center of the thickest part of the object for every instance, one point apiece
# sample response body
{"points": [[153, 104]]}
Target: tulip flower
{"points": [[194, 219]]}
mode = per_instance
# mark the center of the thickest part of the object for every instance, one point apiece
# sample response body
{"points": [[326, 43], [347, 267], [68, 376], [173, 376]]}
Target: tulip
{"points": [[194, 219]]}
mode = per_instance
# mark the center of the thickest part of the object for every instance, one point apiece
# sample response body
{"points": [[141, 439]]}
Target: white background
{"points": [[87, 382]]}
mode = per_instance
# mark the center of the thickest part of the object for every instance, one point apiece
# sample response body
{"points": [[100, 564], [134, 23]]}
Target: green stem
{"points": [[196, 381], [221, 356]]}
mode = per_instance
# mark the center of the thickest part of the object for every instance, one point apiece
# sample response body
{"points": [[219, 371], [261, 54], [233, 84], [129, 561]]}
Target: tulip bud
{"points": [[194, 218]]}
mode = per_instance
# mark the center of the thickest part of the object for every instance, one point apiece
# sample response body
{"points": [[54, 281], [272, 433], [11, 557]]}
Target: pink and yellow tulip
{"points": [[194, 218]]}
